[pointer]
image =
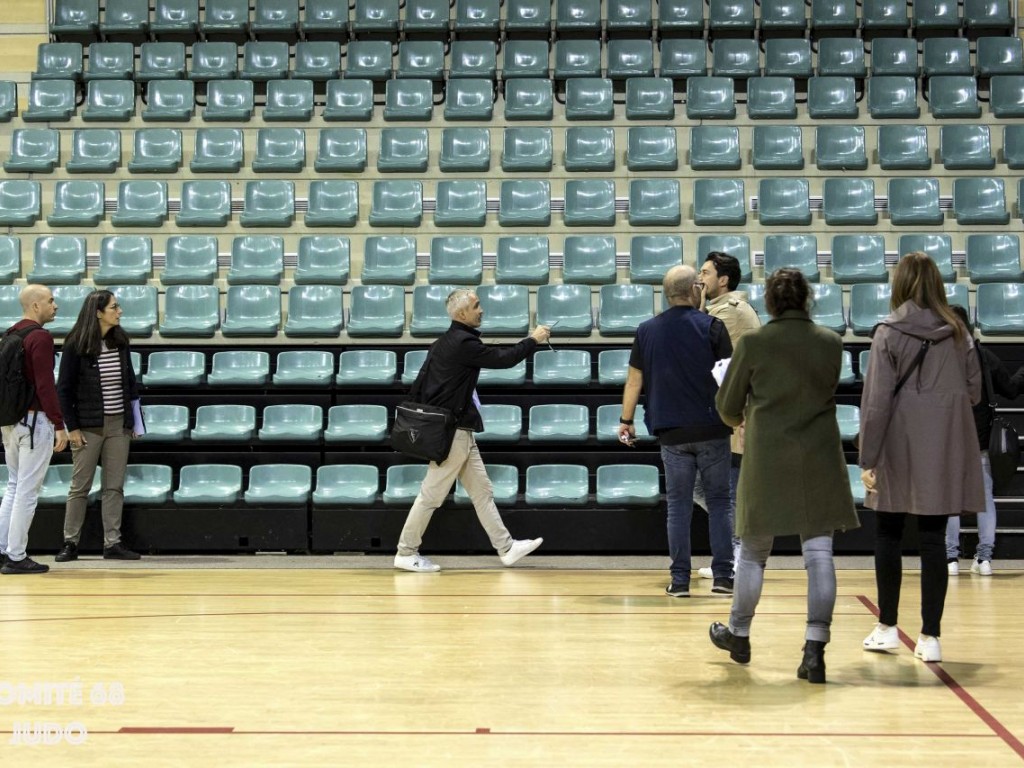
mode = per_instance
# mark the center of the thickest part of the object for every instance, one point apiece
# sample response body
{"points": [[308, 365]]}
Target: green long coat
{"points": [[782, 381]]}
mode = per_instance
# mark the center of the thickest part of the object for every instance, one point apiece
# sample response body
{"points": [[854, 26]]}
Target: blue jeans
{"points": [[700, 501], [986, 522], [712, 459]]}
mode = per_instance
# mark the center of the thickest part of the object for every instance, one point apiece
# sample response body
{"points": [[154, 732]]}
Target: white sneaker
{"points": [[519, 550], [882, 638], [705, 573], [928, 648], [981, 567], [416, 564], [953, 566]]}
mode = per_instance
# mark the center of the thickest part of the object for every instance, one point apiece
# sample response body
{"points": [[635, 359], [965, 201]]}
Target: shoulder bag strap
{"points": [[925, 344]]}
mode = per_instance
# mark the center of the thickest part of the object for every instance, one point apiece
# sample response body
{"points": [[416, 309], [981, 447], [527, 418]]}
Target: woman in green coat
{"points": [[782, 382]]}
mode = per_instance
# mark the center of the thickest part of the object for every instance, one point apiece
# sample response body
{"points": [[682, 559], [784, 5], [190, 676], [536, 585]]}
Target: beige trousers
{"points": [[463, 462], [110, 450]]}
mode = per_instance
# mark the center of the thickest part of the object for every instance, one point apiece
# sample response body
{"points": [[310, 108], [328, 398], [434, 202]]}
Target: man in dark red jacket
{"points": [[29, 444]]}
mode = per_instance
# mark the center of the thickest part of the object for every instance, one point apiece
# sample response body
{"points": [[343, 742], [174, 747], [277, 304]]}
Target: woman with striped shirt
{"points": [[96, 387]]}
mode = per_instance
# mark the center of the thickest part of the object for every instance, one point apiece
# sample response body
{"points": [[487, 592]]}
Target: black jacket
{"points": [[80, 393], [452, 367], [1003, 383]]}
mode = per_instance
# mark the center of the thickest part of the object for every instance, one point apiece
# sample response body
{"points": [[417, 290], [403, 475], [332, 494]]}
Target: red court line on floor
{"points": [[972, 703], [173, 730]]}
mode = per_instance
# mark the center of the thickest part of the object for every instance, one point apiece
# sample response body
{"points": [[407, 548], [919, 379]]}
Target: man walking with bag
{"points": [[448, 380], [34, 431]]}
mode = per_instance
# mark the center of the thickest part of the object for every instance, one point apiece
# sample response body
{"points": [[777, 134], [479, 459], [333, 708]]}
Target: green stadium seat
{"points": [[157, 150], [682, 58], [268, 204], [859, 258], [589, 203], [147, 484], [225, 19], [477, 17], [893, 97], [350, 100], [389, 260], [651, 256], [848, 417], [358, 367], [833, 16], [827, 307], [219, 484], [190, 260], [778, 147], [161, 61], [650, 98], [612, 365], [506, 309], [95, 150], [375, 17], [421, 59], [213, 61], [954, 96], [229, 101], [1000, 309], [124, 260], [787, 57], [521, 260], [563, 367], [429, 314], [109, 100], [559, 422], [846, 375], [568, 305], [710, 98], [557, 485], [280, 150], [264, 60], [58, 260], [314, 310], [368, 60], [903, 147], [714, 148], [939, 249], [502, 423], [525, 58], [169, 101], [377, 310], [332, 203], [1013, 146], [469, 99], [178, 368], [623, 308], [58, 61], [731, 16], [783, 17], [239, 368], [408, 100], [57, 481], [403, 483], [110, 61], [426, 18], [19, 202], [935, 15], [581, 16], [357, 424], [719, 202], [651, 148], [50, 101], [318, 60], [10, 306], [914, 201], [323, 260], [577, 58], [411, 364], [589, 260], [217, 150], [8, 100], [999, 56], [894, 56], [771, 98], [252, 310], [980, 200], [456, 261], [840, 148], [191, 310], [966, 147], [523, 203], [529, 98], [869, 305], [793, 252], [77, 203], [70, 299], [994, 258], [589, 98], [403, 150], [125, 19], [527, 16], [946, 56], [589, 149], [346, 485], [654, 202], [75, 18], [224, 423], [841, 56], [633, 485], [10, 259], [279, 483], [473, 58], [988, 16], [739, 59], [341, 150], [139, 303], [630, 58], [755, 296], [681, 17], [848, 202], [289, 100], [1006, 96], [889, 16], [785, 202], [527, 149], [256, 259], [304, 368], [275, 20], [832, 97]]}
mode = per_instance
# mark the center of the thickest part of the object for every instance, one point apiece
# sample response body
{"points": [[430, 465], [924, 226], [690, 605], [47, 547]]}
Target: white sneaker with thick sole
{"points": [[519, 550], [416, 564], [705, 573], [981, 567], [928, 648], [882, 638], [953, 567]]}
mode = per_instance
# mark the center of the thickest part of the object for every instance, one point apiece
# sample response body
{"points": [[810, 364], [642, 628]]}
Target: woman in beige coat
{"points": [[793, 480], [918, 444]]}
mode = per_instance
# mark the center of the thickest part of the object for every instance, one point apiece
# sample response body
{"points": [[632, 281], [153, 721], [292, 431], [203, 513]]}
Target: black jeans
{"points": [[889, 568]]}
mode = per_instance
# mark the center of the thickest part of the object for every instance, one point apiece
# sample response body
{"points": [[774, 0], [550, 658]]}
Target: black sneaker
{"points": [[677, 590], [25, 565], [722, 587], [120, 552], [67, 553]]}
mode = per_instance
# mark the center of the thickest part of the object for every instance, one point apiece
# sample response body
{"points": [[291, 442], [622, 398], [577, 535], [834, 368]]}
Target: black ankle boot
{"points": [[812, 668]]}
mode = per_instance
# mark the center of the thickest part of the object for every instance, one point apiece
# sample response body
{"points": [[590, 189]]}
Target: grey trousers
{"points": [[821, 583], [110, 451], [463, 462]]}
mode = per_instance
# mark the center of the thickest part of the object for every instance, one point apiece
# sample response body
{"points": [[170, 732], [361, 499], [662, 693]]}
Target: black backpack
{"points": [[16, 391]]}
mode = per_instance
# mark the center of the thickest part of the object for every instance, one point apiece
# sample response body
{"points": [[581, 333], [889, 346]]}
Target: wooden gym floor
{"points": [[530, 666]]}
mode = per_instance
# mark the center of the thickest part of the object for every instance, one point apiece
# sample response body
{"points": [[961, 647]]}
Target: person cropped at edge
{"points": [[718, 281], [96, 386], [1009, 387], [448, 380], [918, 448], [29, 444], [782, 381], [671, 361]]}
